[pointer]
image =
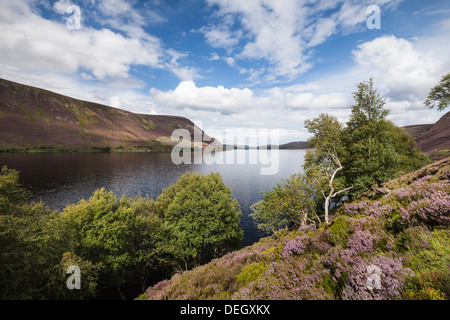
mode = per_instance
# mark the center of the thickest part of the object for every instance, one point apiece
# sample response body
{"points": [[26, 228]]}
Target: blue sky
{"points": [[228, 64]]}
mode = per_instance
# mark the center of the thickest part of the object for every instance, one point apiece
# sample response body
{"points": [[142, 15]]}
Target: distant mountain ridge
{"points": [[35, 118], [295, 145]]}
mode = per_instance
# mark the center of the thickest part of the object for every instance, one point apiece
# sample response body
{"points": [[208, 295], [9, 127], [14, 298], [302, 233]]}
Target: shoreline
{"points": [[4, 150]]}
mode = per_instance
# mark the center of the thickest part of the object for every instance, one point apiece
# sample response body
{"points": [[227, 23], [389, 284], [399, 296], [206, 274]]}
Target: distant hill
{"points": [[433, 139], [297, 145], [39, 119]]}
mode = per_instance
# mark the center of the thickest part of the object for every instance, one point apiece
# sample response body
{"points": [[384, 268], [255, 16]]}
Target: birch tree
{"points": [[323, 164]]}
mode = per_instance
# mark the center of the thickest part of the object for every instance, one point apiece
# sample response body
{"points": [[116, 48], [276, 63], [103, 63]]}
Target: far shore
{"points": [[113, 149]]}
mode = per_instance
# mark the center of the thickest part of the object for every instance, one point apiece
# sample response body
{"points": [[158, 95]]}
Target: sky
{"points": [[231, 64]]}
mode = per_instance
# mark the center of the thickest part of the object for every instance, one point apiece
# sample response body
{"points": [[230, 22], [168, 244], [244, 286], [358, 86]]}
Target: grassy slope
{"points": [[404, 234]]}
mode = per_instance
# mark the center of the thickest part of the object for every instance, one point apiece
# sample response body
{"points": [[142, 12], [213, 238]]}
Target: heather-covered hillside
{"points": [[390, 246], [37, 119], [433, 139]]}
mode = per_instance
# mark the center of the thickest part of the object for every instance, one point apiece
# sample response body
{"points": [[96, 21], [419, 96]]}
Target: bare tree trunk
{"points": [[332, 194], [304, 217]]}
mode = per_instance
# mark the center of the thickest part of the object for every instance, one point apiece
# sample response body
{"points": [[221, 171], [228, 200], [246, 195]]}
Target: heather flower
{"points": [[361, 241], [339, 262], [433, 210], [158, 292], [418, 190], [390, 279], [378, 210], [356, 208], [287, 280], [297, 245], [319, 246]]}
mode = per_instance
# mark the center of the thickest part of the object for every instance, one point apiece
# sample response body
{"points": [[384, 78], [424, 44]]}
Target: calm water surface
{"points": [[60, 179]]}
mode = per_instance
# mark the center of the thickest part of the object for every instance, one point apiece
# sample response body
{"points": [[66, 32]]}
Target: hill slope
{"points": [[416, 130], [296, 145], [392, 247], [432, 139], [36, 118]]}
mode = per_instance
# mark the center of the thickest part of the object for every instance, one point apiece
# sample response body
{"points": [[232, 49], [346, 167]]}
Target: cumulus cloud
{"points": [[215, 99], [405, 71], [245, 101]]}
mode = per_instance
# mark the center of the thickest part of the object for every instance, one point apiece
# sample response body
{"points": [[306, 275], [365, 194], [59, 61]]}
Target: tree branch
{"points": [[341, 191]]}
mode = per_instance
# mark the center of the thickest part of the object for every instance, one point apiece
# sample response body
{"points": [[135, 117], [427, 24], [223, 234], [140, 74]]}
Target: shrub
{"points": [[381, 278], [361, 241], [297, 245]]}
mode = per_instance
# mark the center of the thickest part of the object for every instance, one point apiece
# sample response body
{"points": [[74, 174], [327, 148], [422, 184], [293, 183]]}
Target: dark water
{"points": [[60, 179]]}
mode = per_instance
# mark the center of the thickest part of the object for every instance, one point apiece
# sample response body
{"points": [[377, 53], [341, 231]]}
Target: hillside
{"points": [[395, 246], [433, 139], [416, 130], [33, 118], [297, 145]]}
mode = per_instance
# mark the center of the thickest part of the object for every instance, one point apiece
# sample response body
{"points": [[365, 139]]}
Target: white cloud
{"points": [[214, 57], [283, 33], [215, 99], [220, 38], [61, 6], [275, 108], [404, 69], [320, 102], [34, 43]]}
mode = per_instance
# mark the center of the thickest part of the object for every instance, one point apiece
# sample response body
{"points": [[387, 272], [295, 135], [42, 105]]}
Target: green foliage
{"points": [[40, 111], [370, 157], [12, 194], [429, 257], [89, 277], [327, 132], [123, 237], [440, 94], [410, 157], [202, 217], [339, 231], [250, 273], [33, 240], [323, 165], [113, 241], [370, 148], [149, 238], [324, 160], [285, 205], [147, 124]]}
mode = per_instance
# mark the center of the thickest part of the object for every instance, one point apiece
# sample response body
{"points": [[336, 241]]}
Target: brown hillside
{"points": [[33, 117], [417, 130], [437, 137]]}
